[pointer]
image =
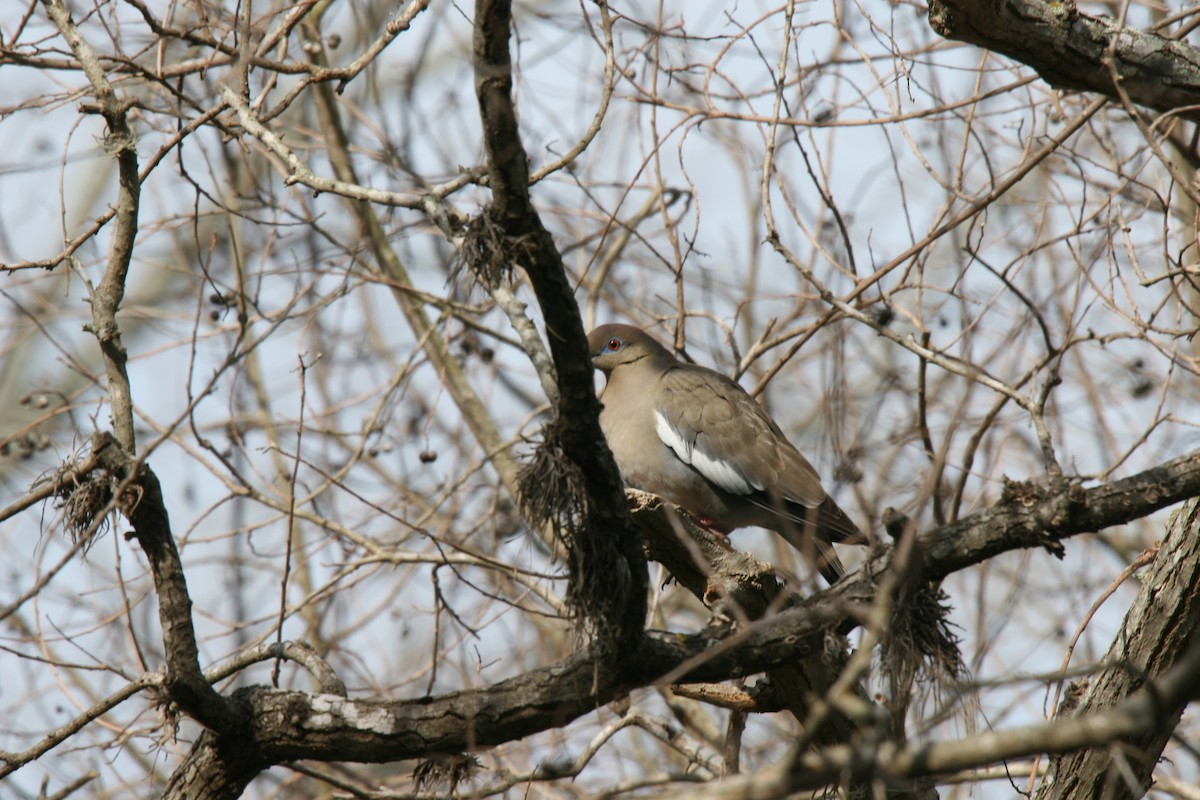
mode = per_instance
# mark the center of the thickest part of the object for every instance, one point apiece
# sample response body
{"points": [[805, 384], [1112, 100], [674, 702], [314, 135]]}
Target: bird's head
{"points": [[612, 346]]}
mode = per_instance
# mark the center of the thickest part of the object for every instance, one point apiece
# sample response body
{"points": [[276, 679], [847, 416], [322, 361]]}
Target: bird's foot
{"points": [[711, 525]]}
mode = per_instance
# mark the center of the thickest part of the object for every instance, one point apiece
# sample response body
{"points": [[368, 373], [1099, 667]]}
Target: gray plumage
{"points": [[697, 439]]}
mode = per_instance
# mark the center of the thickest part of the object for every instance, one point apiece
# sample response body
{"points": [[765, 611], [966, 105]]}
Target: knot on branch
{"points": [[1049, 509], [1022, 494], [1060, 506], [553, 491], [120, 140], [105, 329]]}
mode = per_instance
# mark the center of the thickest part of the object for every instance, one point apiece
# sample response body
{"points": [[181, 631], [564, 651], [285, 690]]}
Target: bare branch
{"points": [[106, 299]]}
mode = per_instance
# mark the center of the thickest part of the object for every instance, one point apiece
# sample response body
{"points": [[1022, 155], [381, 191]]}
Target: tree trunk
{"points": [[1159, 627]]}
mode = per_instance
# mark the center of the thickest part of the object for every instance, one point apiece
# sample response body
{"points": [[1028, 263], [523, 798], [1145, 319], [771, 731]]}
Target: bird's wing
{"points": [[712, 424]]}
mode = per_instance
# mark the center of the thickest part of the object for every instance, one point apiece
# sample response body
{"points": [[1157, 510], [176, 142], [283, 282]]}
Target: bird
{"points": [[697, 439]]}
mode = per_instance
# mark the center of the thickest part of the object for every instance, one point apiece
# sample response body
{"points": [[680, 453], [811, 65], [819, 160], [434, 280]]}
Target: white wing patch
{"points": [[671, 438], [724, 474]]}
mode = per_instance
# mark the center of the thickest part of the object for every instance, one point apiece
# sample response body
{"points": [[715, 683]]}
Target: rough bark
{"points": [[1161, 626], [1029, 515], [142, 504], [1070, 49], [1143, 711], [258, 727]]}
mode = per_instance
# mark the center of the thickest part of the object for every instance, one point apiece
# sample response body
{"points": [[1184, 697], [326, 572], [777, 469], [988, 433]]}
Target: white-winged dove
{"points": [[696, 438]]}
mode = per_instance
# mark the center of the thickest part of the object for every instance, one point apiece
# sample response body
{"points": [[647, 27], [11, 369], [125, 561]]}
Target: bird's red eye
{"points": [[614, 344]]}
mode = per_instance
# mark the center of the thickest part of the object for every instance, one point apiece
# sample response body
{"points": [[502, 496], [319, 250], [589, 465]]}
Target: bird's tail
{"points": [[815, 530]]}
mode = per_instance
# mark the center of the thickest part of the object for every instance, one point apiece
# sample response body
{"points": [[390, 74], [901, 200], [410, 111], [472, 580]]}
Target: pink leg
{"points": [[711, 525]]}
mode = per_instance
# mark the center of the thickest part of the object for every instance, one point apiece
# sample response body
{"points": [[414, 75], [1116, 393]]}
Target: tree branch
{"points": [[1067, 47], [1161, 626], [106, 297], [607, 528], [1145, 711], [388, 261], [141, 502], [1028, 516], [288, 725]]}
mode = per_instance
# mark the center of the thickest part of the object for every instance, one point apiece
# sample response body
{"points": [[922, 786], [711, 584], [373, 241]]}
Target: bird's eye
{"points": [[614, 344]]}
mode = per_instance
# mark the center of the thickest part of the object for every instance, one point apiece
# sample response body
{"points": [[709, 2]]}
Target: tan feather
{"points": [[697, 439]]}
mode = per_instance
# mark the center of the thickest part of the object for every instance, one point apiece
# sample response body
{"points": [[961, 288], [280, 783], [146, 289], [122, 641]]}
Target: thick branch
{"points": [[1029, 517], [1068, 49], [142, 503], [290, 725], [607, 524]]}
